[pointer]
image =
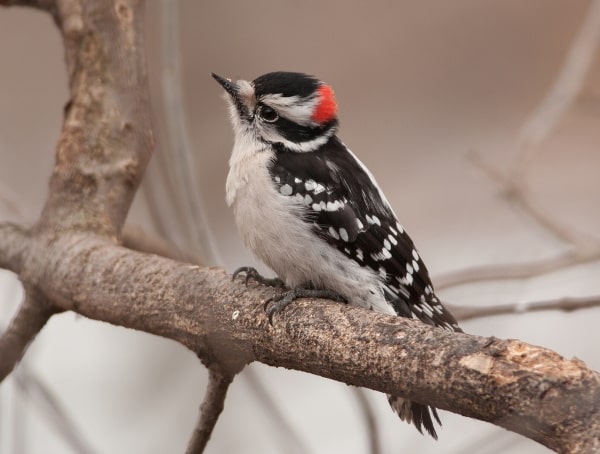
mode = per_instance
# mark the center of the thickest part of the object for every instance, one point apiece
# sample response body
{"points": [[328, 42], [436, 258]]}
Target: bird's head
{"points": [[291, 110]]}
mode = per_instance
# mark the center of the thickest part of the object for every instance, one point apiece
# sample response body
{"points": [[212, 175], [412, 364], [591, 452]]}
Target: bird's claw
{"points": [[277, 303], [251, 273]]}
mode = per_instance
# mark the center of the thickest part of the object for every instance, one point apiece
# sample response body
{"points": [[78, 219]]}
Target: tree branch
{"points": [[138, 239], [31, 316], [523, 388], [106, 138], [211, 408], [15, 240], [517, 270], [561, 304]]}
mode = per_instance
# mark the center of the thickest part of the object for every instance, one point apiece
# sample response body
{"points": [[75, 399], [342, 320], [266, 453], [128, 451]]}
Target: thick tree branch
{"points": [[106, 138], [523, 388]]}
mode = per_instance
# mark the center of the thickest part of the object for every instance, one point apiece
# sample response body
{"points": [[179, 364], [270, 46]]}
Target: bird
{"points": [[309, 209]]}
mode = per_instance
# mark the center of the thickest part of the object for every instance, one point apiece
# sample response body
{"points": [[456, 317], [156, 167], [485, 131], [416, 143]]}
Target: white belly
{"points": [[275, 232]]}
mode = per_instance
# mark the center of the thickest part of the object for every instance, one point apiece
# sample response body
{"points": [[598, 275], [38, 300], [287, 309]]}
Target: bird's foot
{"points": [[251, 273], [277, 303]]}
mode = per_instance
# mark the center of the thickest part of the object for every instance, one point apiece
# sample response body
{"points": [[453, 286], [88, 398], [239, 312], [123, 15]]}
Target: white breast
{"points": [[272, 227]]}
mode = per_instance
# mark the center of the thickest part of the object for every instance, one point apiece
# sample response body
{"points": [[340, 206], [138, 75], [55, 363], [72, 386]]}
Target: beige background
{"points": [[420, 85]]}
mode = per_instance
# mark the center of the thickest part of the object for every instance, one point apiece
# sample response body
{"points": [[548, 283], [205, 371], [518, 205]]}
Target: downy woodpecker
{"points": [[310, 210]]}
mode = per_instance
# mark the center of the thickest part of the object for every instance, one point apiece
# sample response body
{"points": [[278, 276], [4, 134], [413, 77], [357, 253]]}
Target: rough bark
{"points": [[71, 260]]}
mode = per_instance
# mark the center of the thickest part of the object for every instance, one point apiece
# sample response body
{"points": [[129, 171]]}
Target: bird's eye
{"points": [[267, 113]]}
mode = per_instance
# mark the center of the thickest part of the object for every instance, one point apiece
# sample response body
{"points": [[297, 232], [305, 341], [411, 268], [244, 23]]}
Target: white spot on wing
{"points": [[334, 206], [387, 245], [393, 240], [333, 233], [359, 224], [359, 254], [384, 254], [319, 188], [415, 255], [415, 266], [343, 234], [310, 185], [286, 189], [373, 220], [409, 268]]}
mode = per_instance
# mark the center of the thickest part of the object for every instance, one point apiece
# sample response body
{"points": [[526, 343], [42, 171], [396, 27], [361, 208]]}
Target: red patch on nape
{"points": [[326, 109]]}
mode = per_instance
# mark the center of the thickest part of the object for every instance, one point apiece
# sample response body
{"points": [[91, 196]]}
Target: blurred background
{"points": [[480, 122]]}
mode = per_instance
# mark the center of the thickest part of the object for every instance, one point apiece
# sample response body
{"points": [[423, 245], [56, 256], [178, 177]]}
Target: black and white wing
{"points": [[348, 210]]}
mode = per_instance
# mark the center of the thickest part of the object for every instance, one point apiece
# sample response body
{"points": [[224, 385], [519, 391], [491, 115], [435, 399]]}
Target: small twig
{"points": [[290, 440], [12, 249], [176, 157], [10, 202], [370, 420], [138, 239], [515, 191], [514, 271], [46, 5], [32, 315], [211, 408], [562, 304], [34, 388], [563, 93]]}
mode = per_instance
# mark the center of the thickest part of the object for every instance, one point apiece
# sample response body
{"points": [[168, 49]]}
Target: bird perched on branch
{"points": [[311, 211]]}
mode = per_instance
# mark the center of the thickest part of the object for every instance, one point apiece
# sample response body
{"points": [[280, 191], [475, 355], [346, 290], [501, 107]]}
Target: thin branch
{"points": [[536, 129], [211, 408], [370, 420], [289, 440], [138, 239], [10, 201], [13, 246], [562, 304], [514, 271], [46, 5], [563, 93], [32, 315], [44, 398], [177, 170], [515, 191]]}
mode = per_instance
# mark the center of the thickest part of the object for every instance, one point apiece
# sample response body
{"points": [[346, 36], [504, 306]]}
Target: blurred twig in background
{"points": [[537, 128]]}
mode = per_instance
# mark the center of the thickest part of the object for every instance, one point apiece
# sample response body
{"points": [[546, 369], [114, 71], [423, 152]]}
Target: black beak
{"points": [[232, 89], [227, 84]]}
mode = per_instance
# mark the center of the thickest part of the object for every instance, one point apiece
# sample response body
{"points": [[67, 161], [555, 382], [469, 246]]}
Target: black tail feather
{"points": [[418, 414]]}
